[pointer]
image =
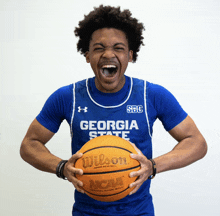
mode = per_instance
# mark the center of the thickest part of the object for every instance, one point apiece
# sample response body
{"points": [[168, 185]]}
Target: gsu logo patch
{"points": [[134, 108]]}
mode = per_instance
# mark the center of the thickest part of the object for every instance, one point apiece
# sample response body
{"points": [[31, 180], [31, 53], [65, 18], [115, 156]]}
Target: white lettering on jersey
{"points": [[110, 125], [117, 128], [92, 125], [101, 125], [134, 108], [84, 125], [133, 125]]}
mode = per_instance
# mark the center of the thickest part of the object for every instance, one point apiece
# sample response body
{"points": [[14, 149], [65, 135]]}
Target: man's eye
{"points": [[119, 48], [98, 48]]}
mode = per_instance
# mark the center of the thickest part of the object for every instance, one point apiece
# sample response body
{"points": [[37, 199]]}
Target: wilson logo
{"points": [[106, 184], [102, 160]]}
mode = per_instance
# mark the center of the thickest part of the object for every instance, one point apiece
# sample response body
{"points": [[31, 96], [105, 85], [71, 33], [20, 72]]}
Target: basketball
{"points": [[106, 165]]}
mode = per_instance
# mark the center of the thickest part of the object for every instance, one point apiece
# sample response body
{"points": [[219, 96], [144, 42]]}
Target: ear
{"points": [[130, 56], [87, 57]]}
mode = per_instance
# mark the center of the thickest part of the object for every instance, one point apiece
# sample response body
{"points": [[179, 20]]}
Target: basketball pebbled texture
{"points": [[106, 165]]}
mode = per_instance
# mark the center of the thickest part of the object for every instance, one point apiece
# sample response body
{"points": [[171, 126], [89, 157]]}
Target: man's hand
{"points": [[145, 171], [70, 171]]}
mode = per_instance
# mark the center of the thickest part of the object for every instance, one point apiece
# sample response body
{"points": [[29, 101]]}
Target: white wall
{"points": [[38, 55]]}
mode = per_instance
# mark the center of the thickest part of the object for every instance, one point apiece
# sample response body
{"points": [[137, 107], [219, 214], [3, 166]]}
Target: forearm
{"points": [[191, 147], [184, 153], [36, 154]]}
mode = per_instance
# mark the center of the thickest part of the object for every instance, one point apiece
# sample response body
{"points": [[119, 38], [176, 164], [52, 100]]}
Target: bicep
{"points": [[186, 129], [34, 151], [38, 132]]}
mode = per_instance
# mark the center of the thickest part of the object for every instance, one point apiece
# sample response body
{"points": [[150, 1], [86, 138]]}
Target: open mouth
{"points": [[109, 70]]}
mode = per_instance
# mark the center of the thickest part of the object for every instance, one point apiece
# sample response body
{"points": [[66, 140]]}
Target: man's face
{"points": [[108, 56]]}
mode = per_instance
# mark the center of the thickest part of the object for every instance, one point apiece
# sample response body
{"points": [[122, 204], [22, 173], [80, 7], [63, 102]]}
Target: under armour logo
{"points": [[82, 109]]}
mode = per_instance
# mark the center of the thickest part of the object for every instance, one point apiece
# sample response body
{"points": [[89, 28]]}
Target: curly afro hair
{"points": [[110, 17]]}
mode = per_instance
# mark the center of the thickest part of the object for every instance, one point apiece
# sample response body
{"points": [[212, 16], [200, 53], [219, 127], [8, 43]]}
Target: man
{"points": [[112, 103]]}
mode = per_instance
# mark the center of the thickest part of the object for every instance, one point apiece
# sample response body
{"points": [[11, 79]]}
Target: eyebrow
{"points": [[96, 44]]}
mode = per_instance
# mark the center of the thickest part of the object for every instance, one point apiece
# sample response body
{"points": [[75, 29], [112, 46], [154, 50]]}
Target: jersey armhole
{"points": [[146, 110]]}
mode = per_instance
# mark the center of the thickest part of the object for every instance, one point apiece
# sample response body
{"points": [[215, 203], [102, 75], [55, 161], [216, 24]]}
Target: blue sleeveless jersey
{"points": [[131, 117]]}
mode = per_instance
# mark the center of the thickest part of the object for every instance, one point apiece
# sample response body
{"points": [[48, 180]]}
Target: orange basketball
{"points": [[106, 165]]}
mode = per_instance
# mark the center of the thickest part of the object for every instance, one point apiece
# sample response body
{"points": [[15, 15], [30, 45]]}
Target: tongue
{"points": [[108, 72]]}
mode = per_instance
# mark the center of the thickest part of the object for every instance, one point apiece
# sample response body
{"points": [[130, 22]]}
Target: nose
{"points": [[108, 53]]}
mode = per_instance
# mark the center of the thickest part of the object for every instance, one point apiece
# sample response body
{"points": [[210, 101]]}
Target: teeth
{"points": [[108, 66], [109, 70]]}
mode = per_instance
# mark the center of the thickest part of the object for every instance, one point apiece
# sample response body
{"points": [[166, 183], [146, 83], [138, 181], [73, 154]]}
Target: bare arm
{"points": [[34, 151], [33, 148], [190, 148]]}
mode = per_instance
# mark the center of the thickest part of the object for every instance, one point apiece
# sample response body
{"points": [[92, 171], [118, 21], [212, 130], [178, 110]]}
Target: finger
{"points": [[135, 190], [136, 148], [77, 183], [136, 173], [139, 181], [140, 157], [70, 171], [74, 170], [75, 157], [79, 188]]}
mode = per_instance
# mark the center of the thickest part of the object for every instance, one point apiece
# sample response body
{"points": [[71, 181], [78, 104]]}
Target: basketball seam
{"points": [[107, 147], [112, 171]]}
